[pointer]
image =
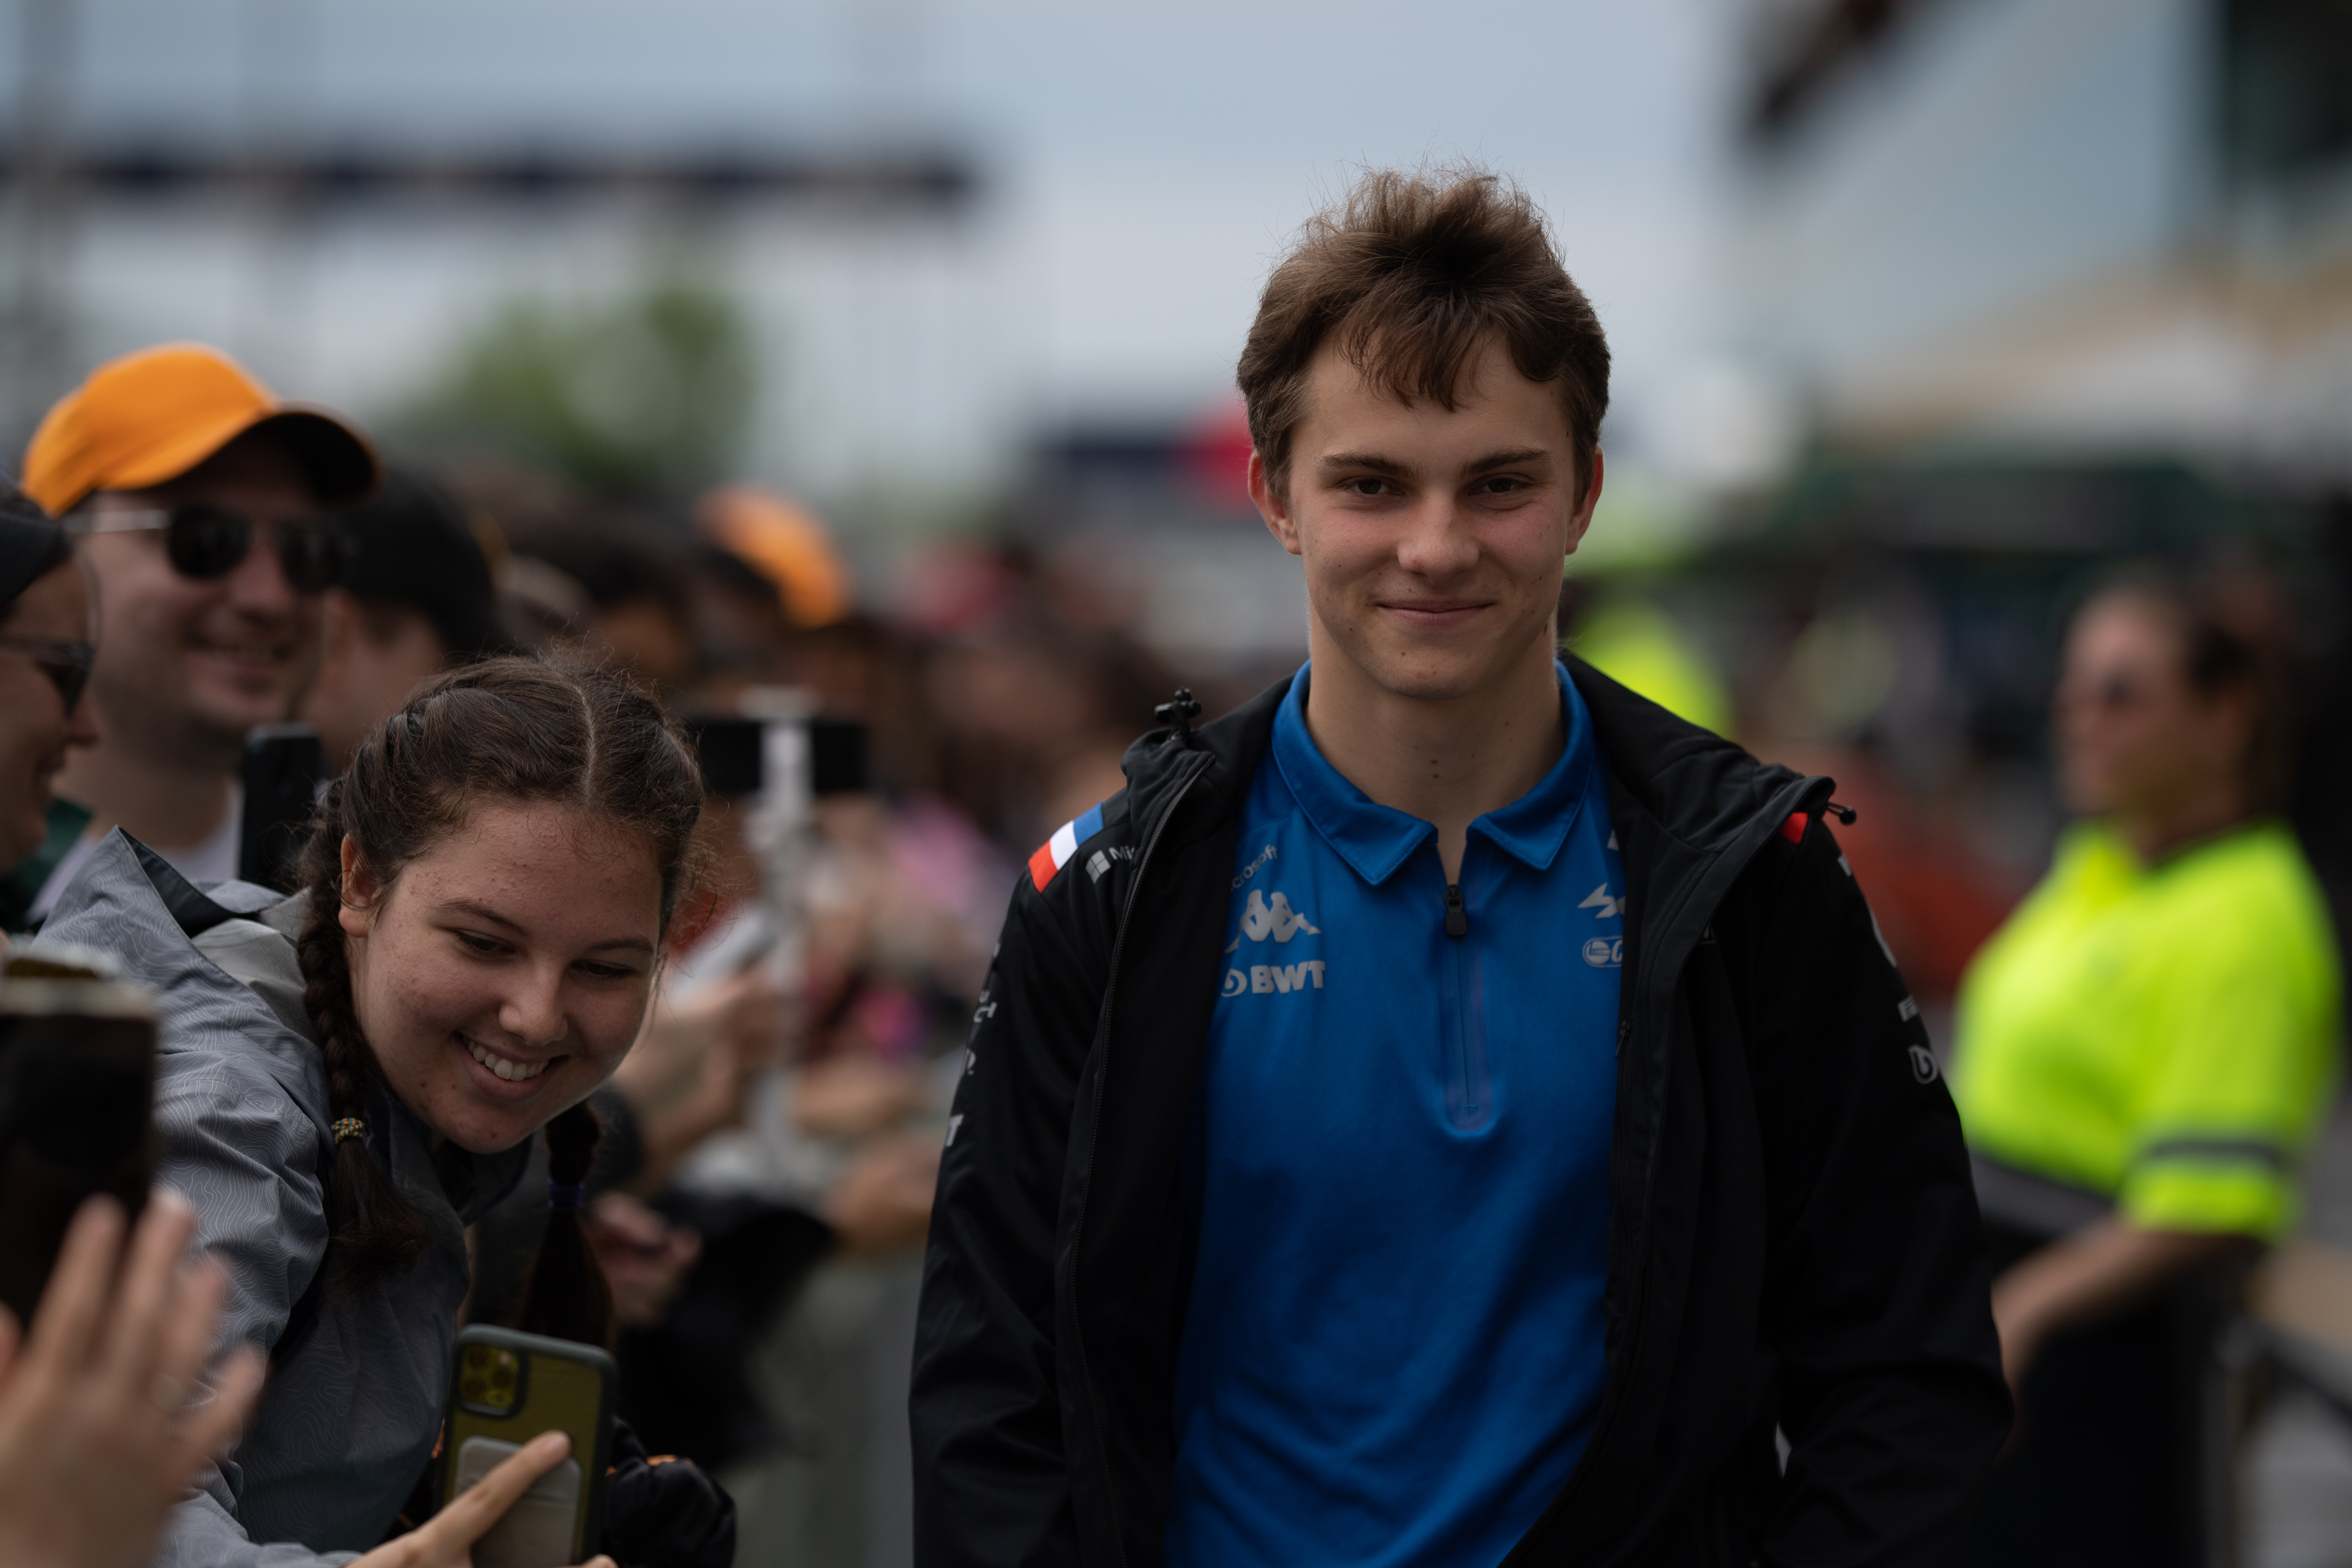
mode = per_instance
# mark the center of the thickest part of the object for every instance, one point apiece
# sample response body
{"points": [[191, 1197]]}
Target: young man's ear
{"points": [[357, 916], [1273, 506], [1582, 518]]}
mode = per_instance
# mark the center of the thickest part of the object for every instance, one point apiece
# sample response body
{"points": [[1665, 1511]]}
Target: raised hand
{"points": [[104, 1415]]}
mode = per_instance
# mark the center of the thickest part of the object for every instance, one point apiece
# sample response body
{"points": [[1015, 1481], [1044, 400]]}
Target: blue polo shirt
{"points": [[1399, 1174]]}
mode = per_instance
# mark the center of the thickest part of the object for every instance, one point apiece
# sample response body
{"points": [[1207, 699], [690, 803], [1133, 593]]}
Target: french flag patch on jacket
{"points": [[1055, 852]]}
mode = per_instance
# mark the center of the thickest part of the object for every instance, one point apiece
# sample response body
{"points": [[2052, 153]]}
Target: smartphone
{"points": [[507, 1388], [281, 793], [735, 753], [76, 1097]]}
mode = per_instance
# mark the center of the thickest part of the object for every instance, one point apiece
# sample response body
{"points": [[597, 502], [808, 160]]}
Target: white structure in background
{"points": [[2096, 226]]}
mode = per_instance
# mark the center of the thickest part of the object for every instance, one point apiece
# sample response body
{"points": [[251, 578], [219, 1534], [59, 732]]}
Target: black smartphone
{"points": [[281, 792], [508, 1387], [733, 753], [76, 1097]]}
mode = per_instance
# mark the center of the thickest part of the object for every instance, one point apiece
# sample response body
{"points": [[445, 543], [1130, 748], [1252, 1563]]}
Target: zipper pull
{"points": [[1457, 918], [1179, 715]]}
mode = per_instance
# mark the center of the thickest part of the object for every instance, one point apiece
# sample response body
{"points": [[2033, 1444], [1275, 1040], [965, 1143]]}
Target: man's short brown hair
{"points": [[1415, 272]]}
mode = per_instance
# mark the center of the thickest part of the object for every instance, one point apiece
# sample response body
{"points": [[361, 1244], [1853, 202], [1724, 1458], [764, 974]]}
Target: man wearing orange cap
{"points": [[197, 496]]}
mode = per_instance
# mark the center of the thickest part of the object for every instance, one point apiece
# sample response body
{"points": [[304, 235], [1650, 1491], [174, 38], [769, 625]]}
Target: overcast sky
{"points": [[1143, 164]]}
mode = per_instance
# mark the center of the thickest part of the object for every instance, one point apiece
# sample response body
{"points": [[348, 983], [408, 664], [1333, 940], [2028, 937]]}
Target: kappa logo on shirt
{"points": [[1269, 916], [1261, 919]]}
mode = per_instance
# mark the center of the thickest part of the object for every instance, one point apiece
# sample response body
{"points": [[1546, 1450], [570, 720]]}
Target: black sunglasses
{"points": [[207, 543], [67, 664]]}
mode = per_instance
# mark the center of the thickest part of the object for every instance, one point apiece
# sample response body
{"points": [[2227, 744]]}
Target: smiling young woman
{"points": [[487, 891], [352, 1075]]}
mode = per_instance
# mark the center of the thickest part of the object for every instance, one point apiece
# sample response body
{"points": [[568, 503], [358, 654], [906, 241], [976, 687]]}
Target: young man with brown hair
{"points": [[1448, 1111]]}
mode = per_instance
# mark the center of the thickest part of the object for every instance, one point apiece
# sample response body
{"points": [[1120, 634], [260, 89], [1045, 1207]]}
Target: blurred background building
{"points": [[2027, 288], [1924, 311]]}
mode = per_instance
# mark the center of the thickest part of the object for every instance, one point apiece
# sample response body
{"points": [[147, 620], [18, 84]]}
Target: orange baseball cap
{"points": [[785, 544], [155, 415]]}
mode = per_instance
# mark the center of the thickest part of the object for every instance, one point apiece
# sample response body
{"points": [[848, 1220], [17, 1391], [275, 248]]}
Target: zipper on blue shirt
{"points": [[1469, 1091]]}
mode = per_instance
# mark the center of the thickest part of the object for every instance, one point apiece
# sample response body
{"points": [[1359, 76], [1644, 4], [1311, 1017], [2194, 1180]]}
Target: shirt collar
{"points": [[1375, 839]]}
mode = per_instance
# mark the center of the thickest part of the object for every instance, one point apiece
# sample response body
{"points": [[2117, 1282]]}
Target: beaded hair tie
{"points": [[348, 1127]]}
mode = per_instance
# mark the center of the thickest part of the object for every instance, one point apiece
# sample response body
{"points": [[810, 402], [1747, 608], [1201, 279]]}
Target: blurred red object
{"points": [[1216, 454]]}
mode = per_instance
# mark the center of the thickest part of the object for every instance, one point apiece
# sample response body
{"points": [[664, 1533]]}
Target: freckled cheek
{"points": [[431, 1000]]}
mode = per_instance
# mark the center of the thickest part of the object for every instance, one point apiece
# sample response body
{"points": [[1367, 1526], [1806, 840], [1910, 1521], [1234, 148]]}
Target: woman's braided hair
{"points": [[504, 729]]}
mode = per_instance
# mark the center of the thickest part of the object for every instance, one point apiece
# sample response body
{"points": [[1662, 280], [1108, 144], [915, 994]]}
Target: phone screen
{"points": [[281, 788], [733, 754], [77, 1089]]}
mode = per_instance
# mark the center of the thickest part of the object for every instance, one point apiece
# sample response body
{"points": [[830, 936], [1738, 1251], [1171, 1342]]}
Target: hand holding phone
{"points": [[506, 1390], [76, 1087], [447, 1540], [103, 1417]]}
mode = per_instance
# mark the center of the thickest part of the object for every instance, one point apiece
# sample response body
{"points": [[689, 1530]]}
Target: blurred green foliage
{"points": [[645, 394]]}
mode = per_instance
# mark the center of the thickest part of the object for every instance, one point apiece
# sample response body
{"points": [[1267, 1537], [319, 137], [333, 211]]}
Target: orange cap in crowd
{"points": [[152, 415], [784, 544]]}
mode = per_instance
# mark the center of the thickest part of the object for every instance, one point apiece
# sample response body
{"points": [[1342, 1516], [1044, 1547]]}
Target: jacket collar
{"points": [[1705, 793], [1211, 766], [128, 900]]}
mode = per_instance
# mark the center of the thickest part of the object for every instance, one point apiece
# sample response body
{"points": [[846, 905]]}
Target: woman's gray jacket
{"points": [[346, 1421]]}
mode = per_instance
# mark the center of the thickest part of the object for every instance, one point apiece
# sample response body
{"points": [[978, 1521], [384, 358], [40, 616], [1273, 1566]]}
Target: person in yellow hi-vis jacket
{"points": [[2143, 1053]]}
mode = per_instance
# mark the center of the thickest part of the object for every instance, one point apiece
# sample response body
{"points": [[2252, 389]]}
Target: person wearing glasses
{"points": [[2145, 1052], [45, 660], [199, 500]]}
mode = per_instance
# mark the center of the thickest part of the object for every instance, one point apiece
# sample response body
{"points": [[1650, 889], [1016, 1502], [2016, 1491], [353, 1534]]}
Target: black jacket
{"points": [[1793, 1239]]}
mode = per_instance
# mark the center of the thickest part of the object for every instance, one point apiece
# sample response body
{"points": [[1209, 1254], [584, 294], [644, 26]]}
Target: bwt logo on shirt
{"points": [[1278, 978], [1271, 916]]}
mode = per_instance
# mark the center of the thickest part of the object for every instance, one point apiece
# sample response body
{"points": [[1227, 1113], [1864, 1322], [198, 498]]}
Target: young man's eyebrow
{"points": [[1362, 462], [1338, 461], [1512, 459]]}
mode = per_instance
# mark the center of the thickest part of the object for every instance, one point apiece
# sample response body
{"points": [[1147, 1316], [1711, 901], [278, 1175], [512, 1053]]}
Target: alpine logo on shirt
{"points": [[1268, 917], [1605, 952]]}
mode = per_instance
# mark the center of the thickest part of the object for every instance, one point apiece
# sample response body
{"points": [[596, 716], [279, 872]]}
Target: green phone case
{"points": [[507, 1388]]}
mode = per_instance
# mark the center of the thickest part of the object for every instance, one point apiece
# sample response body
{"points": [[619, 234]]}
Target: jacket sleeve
{"points": [[991, 1486], [242, 1153], [660, 1508], [1877, 1294]]}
